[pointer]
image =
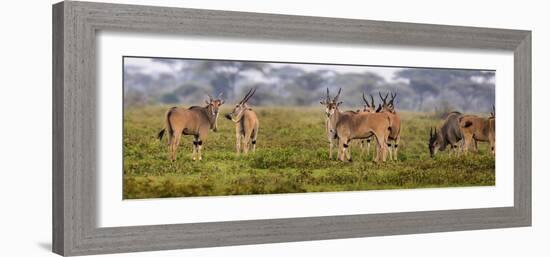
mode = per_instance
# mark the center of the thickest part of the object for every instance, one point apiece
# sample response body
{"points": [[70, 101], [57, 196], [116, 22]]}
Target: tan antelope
{"points": [[478, 129], [368, 108], [352, 125], [195, 121], [395, 134], [329, 126], [246, 124]]}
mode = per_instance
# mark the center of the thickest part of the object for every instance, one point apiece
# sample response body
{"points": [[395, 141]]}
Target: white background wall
{"points": [[25, 128]]}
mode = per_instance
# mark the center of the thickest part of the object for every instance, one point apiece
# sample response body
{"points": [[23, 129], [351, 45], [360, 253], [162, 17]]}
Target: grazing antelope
{"points": [[352, 125], [246, 123], [395, 133], [195, 121], [478, 129], [449, 134]]}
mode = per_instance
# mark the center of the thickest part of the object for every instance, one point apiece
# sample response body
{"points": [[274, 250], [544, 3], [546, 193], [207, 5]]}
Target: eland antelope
{"points": [[331, 126], [353, 125], [195, 121], [246, 123], [368, 108], [395, 133], [449, 134], [478, 129]]}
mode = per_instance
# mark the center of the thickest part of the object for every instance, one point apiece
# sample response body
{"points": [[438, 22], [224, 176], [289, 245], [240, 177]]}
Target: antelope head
{"points": [[213, 106], [435, 143], [239, 109], [369, 107], [387, 105], [331, 105]]}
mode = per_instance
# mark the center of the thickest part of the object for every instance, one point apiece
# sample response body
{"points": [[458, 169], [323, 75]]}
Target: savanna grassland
{"points": [[291, 157]]}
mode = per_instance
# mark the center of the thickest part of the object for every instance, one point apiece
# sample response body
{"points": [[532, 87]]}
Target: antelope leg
{"points": [[342, 147], [194, 154], [175, 144], [389, 147], [348, 151], [376, 157], [338, 150], [362, 147], [254, 137], [170, 149], [238, 138], [368, 147], [245, 146], [466, 145], [383, 148], [246, 141], [199, 150], [396, 146], [330, 149], [253, 145], [331, 140]]}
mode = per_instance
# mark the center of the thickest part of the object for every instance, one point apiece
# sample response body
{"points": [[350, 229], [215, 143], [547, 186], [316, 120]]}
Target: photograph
{"points": [[296, 129], [201, 127]]}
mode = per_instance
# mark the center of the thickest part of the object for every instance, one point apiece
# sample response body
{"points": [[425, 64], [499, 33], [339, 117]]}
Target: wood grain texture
{"points": [[75, 25], [58, 217]]}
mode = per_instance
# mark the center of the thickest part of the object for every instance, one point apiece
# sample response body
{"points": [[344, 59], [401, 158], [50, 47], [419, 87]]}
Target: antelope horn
{"points": [[252, 91], [337, 95], [393, 97], [431, 132], [381, 97], [372, 101], [210, 97], [220, 95], [365, 99], [328, 96], [245, 96]]}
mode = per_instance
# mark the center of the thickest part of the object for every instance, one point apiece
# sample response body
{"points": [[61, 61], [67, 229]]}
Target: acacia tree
{"points": [[225, 74]]}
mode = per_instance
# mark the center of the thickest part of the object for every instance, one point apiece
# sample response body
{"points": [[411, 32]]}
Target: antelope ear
{"points": [[339, 103], [221, 102], [206, 101]]}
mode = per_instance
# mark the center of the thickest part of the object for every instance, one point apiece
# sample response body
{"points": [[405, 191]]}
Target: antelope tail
{"points": [[167, 125], [161, 134]]}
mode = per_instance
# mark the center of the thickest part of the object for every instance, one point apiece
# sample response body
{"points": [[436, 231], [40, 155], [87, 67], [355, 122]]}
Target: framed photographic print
{"points": [[183, 128]]}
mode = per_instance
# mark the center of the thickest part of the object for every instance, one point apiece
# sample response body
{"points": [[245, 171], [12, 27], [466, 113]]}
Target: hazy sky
{"points": [[147, 65]]}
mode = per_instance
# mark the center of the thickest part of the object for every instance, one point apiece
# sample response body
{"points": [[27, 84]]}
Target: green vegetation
{"points": [[292, 157]]}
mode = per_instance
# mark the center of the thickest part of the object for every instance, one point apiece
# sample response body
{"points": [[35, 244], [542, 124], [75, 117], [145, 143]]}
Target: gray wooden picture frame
{"points": [[75, 25]]}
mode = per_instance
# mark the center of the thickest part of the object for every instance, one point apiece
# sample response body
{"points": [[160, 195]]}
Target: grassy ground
{"points": [[291, 157]]}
